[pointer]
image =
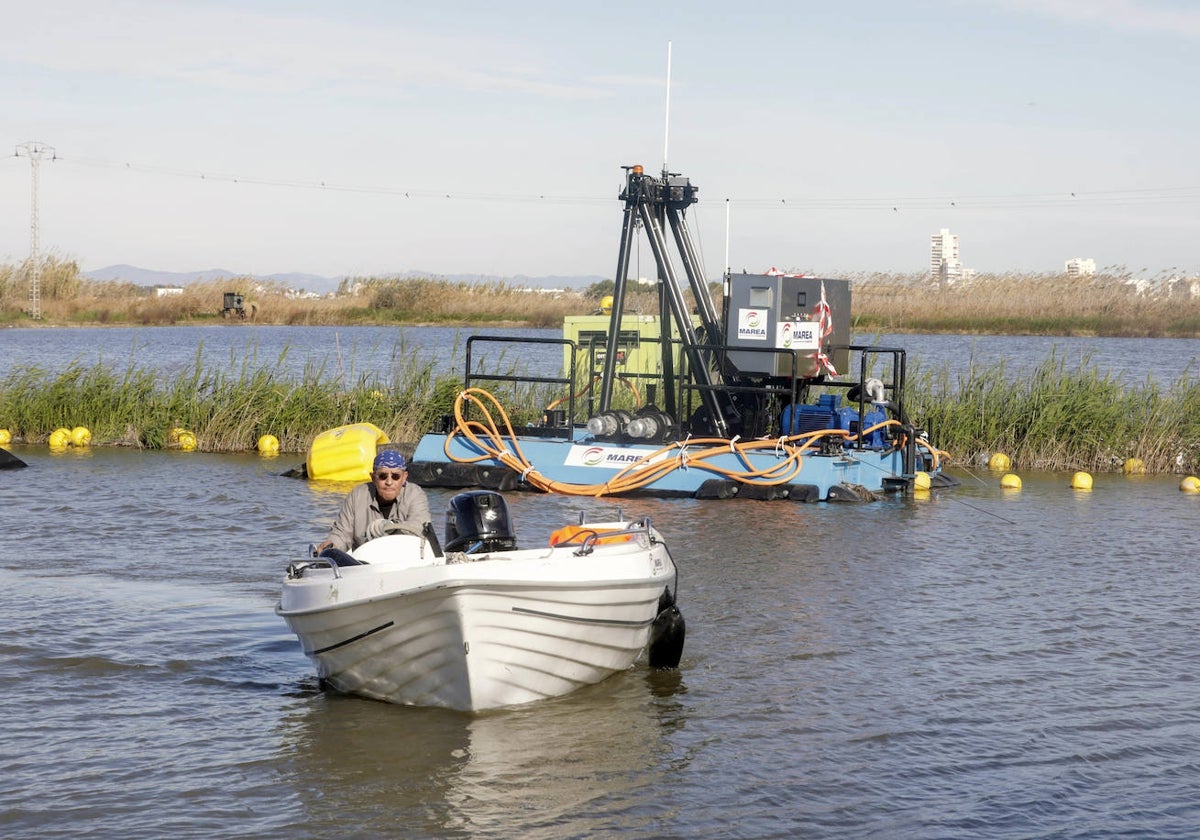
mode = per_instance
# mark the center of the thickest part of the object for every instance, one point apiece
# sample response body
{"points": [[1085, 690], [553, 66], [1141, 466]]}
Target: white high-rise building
{"points": [[1080, 267], [944, 264]]}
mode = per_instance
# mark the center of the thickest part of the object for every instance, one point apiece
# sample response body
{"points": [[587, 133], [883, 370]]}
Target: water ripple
{"points": [[894, 670]]}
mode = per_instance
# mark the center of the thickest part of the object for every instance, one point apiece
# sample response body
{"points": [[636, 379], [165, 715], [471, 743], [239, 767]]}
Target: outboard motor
{"points": [[478, 520]]}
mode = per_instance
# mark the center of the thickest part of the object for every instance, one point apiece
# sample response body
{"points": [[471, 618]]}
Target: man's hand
{"points": [[380, 527]]}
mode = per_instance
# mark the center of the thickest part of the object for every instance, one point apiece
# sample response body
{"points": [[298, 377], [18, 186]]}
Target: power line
{"points": [[1014, 201], [330, 186]]}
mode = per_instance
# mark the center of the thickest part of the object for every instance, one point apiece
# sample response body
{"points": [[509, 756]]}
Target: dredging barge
{"points": [[767, 400]]}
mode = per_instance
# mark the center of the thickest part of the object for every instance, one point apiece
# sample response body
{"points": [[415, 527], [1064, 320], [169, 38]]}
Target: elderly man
{"points": [[387, 504]]}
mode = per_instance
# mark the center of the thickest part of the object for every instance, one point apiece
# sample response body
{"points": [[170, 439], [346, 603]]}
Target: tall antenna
{"points": [[667, 127], [727, 267], [35, 152]]}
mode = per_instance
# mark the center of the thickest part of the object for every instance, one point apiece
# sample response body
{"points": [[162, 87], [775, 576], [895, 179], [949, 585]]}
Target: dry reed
{"points": [[1108, 304], [1058, 418], [1111, 303]]}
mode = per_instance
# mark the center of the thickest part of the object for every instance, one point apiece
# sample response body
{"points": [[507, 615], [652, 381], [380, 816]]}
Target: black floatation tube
{"points": [[667, 633], [9, 461]]}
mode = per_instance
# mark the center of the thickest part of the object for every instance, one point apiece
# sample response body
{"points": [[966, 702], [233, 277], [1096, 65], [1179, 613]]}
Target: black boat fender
{"points": [[717, 488], [9, 461], [667, 633], [850, 493]]}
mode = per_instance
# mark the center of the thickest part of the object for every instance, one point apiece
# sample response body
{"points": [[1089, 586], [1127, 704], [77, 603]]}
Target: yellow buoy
{"points": [[187, 441], [5, 437], [921, 481], [81, 436], [1191, 484], [345, 453], [1134, 466], [1081, 481], [1010, 481], [268, 445], [998, 462], [59, 439]]}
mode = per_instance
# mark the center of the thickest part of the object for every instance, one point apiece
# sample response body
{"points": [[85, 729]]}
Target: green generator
{"points": [[639, 346]]}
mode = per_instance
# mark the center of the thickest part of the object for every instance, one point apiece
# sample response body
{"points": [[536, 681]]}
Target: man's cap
{"points": [[390, 459]]}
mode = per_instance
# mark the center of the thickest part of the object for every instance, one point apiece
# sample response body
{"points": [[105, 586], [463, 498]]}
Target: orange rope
{"points": [[505, 448], [494, 444]]}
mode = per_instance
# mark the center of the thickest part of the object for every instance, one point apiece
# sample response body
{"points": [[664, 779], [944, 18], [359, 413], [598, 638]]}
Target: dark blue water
{"points": [[976, 664], [329, 353], [353, 352]]}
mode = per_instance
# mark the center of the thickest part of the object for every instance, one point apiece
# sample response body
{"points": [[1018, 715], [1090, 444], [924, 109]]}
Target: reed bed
{"points": [[1059, 418], [67, 297], [1114, 303], [228, 408]]}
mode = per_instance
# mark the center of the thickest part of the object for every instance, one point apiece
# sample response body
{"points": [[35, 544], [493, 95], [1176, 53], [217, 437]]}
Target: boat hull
{"points": [[497, 630], [442, 460]]}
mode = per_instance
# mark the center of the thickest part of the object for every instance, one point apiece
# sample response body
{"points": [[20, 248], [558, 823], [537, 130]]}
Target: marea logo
{"points": [[785, 337], [752, 318], [593, 456]]}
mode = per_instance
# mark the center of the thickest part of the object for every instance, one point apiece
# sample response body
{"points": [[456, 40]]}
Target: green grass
{"points": [[1055, 418], [1059, 418], [227, 409]]}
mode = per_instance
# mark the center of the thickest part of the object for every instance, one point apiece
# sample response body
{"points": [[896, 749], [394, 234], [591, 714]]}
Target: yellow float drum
{"points": [[345, 453]]}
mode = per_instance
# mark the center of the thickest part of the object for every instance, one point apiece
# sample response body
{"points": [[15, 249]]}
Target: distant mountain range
{"points": [[317, 283]]}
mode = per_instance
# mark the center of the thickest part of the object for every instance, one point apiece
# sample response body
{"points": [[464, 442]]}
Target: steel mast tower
{"points": [[35, 152]]}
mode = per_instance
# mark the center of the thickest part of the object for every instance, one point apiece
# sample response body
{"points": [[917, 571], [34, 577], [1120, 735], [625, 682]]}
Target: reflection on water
{"points": [[974, 664], [568, 767], [366, 768], [541, 763]]}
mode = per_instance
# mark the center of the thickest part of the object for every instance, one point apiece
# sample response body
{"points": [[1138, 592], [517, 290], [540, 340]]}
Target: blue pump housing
{"points": [[878, 438], [805, 417], [829, 413]]}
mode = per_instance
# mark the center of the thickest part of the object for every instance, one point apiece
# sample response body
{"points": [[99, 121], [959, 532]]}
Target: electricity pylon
{"points": [[35, 152]]}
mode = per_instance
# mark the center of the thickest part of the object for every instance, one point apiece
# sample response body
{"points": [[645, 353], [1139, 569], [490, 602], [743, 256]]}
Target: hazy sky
{"points": [[265, 136]]}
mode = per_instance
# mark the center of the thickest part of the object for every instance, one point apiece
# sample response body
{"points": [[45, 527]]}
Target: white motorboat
{"points": [[484, 624]]}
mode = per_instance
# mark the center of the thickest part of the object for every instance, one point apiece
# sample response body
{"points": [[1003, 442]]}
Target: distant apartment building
{"points": [[1080, 267], [944, 265]]}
